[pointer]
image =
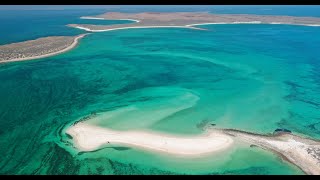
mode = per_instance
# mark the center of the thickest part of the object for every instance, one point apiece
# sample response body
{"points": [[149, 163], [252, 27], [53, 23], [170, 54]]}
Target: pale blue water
{"points": [[250, 77]]}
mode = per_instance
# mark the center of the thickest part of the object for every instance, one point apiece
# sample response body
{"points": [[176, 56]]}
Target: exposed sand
{"points": [[43, 52], [88, 138], [303, 152], [190, 19], [135, 27], [89, 17], [99, 18]]}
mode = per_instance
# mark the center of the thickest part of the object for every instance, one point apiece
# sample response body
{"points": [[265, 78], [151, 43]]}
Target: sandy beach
{"points": [[74, 43], [88, 138]]}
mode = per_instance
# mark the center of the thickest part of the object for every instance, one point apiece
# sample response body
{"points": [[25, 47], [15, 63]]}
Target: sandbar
{"points": [[89, 138], [300, 151]]}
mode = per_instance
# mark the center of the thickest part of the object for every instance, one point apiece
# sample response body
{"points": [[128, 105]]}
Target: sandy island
{"points": [[89, 138], [189, 20], [38, 48], [303, 152]]}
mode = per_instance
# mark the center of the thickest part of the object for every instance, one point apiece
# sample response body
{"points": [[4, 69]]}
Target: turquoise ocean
{"points": [[251, 77]]}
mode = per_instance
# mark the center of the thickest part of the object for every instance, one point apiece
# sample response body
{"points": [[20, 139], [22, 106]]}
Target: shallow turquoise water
{"points": [[250, 77]]}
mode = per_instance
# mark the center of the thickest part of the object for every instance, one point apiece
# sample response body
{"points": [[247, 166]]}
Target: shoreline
{"points": [[134, 27], [71, 46], [190, 26], [255, 22]]}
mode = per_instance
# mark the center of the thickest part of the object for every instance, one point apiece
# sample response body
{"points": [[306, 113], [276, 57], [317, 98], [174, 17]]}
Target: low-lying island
{"points": [[38, 48]]}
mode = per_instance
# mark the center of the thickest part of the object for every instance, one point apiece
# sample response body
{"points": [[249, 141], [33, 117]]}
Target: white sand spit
{"points": [[88, 138]]}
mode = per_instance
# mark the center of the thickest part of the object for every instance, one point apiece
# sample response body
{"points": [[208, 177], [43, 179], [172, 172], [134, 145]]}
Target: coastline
{"points": [[71, 46], [190, 26], [135, 27], [255, 22]]}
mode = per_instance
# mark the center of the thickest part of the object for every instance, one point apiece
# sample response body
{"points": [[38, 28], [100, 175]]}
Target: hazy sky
{"points": [[52, 7], [60, 7]]}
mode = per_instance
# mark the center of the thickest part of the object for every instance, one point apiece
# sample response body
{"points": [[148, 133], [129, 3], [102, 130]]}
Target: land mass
{"points": [[189, 20], [38, 48], [303, 152]]}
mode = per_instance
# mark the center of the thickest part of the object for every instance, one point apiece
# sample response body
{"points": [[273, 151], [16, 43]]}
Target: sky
{"points": [[51, 7], [61, 7]]}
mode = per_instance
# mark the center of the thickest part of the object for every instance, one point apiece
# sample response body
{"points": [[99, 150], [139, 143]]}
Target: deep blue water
{"points": [[22, 25]]}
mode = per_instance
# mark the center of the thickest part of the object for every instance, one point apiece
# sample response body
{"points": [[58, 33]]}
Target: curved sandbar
{"points": [[190, 19], [303, 152], [88, 138], [38, 48]]}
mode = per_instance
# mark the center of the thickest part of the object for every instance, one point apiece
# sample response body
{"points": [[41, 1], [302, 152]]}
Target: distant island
{"points": [[38, 48], [189, 20], [49, 46]]}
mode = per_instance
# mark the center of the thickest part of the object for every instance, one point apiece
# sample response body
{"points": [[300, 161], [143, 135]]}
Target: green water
{"points": [[250, 77]]}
